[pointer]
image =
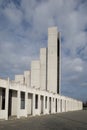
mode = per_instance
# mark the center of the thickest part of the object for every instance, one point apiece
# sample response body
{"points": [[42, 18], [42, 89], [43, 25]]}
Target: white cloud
{"points": [[78, 68], [13, 14]]}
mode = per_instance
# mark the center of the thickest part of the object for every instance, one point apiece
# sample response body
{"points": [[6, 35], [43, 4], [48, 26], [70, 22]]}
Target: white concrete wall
{"points": [[43, 67], [14, 103], [3, 83], [22, 113], [2, 114], [19, 78], [35, 74], [52, 60], [29, 104], [58, 101], [27, 76]]}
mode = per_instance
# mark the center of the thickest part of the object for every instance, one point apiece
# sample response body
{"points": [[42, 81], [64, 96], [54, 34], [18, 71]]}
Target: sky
{"points": [[23, 31]]}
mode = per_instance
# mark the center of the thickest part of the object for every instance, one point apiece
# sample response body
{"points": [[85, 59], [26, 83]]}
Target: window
{"points": [[56, 105], [22, 100], [36, 101], [46, 102], [3, 99]]}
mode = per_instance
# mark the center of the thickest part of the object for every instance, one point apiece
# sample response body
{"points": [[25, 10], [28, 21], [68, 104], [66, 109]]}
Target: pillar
{"points": [[52, 105], [26, 102], [58, 105], [6, 99], [39, 105], [43, 104], [33, 103], [53, 60], [48, 104], [35, 74], [18, 104]]}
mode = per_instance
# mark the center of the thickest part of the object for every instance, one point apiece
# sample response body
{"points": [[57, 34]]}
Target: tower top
{"points": [[52, 30]]}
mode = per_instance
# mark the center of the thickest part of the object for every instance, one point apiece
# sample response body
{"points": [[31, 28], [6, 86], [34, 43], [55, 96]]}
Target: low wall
{"points": [[37, 112], [2, 114], [22, 113]]}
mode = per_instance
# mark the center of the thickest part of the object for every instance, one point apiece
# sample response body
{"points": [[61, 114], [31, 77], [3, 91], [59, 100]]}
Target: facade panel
{"points": [[43, 68]]}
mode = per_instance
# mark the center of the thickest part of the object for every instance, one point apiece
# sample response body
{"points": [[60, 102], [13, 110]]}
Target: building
{"points": [[37, 90]]}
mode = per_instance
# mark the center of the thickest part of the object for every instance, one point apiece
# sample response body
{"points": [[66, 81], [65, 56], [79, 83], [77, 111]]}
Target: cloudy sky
{"points": [[23, 31]]}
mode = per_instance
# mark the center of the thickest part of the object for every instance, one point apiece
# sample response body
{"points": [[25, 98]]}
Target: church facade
{"points": [[37, 91]]}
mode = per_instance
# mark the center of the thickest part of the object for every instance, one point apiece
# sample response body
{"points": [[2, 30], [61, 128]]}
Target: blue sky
{"points": [[23, 31]]}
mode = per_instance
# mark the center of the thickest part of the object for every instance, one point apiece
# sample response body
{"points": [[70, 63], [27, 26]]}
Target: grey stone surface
{"points": [[63, 121], [52, 70]]}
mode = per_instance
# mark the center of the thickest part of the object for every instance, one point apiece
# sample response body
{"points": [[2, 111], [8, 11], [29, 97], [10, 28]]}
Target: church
{"points": [[37, 91]]}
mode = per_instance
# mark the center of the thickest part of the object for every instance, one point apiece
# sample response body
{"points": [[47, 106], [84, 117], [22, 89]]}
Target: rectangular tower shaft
{"points": [[53, 60]]}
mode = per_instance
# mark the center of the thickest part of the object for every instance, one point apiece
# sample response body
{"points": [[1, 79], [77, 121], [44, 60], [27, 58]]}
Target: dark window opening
{"points": [[3, 99], [56, 105], [36, 101], [22, 100], [46, 102]]}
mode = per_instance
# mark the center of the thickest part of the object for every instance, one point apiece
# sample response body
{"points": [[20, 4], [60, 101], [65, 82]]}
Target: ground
{"points": [[63, 121]]}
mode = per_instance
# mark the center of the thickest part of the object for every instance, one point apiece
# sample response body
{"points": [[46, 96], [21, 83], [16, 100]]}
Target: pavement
{"points": [[76, 120]]}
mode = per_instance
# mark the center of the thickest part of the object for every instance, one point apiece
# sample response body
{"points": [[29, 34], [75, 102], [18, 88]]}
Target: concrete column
{"points": [[73, 105], [39, 105], [51, 105], [62, 105], [70, 104], [43, 68], [18, 104], [26, 102], [33, 112], [27, 76], [54, 105], [66, 105], [6, 99], [53, 60], [43, 104], [59, 106], [48, 104], [35, 74]]}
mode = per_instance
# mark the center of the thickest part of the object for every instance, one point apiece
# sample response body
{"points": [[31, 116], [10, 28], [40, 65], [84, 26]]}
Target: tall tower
{"points": [[53, 66]]}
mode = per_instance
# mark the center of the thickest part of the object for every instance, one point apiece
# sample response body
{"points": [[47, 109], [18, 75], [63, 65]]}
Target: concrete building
{"points": [[35, 74], [43, 69], [37, 90], [53, 60], [27, 78]]}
